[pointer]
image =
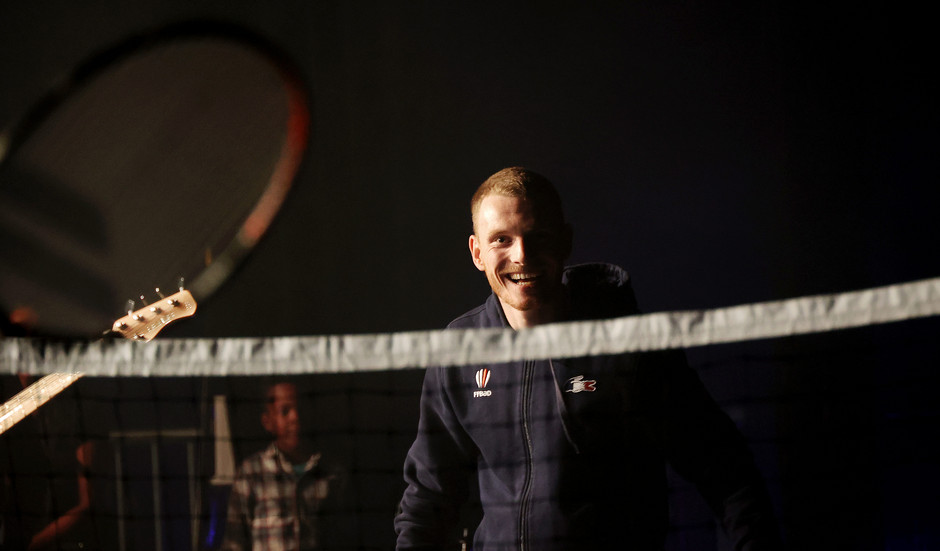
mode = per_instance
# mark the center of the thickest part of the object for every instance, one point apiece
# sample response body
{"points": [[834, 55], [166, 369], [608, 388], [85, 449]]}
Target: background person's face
{"points": [[282, 419]]}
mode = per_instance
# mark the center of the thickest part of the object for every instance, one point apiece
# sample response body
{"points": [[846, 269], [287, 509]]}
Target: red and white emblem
{"points": [[578, 384], [483, 377]]}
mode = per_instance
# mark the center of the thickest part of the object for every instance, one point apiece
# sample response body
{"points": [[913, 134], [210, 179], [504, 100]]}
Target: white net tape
{"points": [[418, 349]]}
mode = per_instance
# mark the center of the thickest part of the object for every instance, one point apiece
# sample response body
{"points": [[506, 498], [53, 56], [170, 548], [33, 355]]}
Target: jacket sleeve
{"points": [[437, 471], [704, 446]]}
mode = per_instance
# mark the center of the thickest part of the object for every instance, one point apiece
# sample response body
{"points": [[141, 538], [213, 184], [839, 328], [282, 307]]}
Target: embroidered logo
{"points": [[578, 384], [482, 379]]}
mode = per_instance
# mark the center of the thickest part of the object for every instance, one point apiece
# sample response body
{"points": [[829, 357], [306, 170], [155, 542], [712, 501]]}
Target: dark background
{"points": [[724, 153]]}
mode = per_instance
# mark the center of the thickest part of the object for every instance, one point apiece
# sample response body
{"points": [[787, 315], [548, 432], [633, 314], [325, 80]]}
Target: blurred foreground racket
{"points": [[166, 155]]}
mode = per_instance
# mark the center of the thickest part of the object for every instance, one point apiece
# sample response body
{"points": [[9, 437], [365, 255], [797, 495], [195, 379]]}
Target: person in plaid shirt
{"points": [[279, 493]]}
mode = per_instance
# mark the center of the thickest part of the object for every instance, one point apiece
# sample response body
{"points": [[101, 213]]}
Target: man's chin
{"points": [[520, 302]]}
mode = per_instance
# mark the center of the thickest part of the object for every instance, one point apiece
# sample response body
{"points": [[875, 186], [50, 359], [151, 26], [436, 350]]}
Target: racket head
{"points": [[163, 157]]}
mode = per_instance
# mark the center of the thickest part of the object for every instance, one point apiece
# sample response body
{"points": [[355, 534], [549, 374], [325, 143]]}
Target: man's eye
{"points": [[501, 240]]}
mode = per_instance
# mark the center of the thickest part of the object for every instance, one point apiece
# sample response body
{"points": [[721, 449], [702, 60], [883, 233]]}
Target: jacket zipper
{"points": [[527, 485]]}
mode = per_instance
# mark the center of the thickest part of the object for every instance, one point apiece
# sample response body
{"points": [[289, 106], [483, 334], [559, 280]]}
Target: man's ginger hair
{"points": [[521, 183]]}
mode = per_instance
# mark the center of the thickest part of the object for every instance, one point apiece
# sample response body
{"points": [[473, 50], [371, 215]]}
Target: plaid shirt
{"points": [[273, 509]]}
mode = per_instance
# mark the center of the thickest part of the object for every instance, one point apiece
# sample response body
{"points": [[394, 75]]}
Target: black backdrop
{"points": [[723, 152]]}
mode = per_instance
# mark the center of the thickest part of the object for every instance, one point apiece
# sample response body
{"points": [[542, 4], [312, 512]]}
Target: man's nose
{"points": [[517, 252]]}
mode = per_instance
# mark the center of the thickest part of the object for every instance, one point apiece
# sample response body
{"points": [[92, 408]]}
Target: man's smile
{"points": [[522, 278]]}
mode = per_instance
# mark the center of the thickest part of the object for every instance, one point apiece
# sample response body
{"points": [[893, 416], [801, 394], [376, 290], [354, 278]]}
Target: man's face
{"points": [[281, 417], [522, 249]]}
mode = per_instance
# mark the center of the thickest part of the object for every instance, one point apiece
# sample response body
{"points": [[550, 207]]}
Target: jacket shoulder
{"points": [[472, 318], [488, 314]]}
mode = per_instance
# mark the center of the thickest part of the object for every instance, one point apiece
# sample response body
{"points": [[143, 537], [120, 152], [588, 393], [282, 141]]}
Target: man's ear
{"points": [[475, 253]]}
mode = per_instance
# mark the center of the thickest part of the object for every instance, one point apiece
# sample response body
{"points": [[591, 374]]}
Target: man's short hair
{"points": [[522, 183]]}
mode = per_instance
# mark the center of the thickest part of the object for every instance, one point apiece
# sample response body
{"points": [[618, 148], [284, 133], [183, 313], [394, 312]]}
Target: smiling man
{"points": [[520, 240], [567, 454]]}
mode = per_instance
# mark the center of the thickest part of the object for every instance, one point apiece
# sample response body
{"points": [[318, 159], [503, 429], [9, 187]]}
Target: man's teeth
{"points": [[520, 277]]}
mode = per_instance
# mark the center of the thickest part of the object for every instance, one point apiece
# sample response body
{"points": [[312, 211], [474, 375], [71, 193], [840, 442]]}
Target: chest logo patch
{"points": [[482, 379], [578, 384]]}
